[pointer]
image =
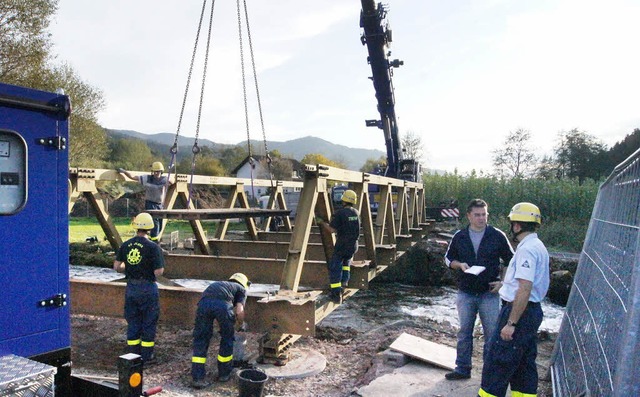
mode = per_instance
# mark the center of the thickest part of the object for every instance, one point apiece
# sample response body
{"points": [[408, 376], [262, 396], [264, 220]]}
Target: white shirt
{"points": [[530, 262]]}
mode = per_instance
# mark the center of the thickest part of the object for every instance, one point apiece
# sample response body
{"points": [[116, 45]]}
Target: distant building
{"points": [[283, 169]]}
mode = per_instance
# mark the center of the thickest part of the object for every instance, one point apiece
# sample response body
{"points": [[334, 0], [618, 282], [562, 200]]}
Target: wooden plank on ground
{"points": [[424, 350]]}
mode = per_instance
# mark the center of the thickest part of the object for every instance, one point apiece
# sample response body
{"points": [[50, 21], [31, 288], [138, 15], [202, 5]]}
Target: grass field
{"points": [[82, 227]]}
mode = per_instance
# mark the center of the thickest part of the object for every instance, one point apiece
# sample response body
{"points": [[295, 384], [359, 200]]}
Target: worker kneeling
{"points": [[222, 301]]}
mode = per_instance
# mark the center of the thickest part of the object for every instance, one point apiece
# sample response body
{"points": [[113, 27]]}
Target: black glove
{"points": [[120, 170]]}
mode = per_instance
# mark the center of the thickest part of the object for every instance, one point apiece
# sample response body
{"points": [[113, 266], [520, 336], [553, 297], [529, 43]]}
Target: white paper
{"points": [[475, 270]]}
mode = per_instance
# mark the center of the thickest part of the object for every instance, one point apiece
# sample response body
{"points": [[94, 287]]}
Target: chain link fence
{"points": [[597, 352]]}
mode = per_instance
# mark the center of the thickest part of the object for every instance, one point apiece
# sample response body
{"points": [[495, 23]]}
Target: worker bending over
{"points": [[222, 301]]}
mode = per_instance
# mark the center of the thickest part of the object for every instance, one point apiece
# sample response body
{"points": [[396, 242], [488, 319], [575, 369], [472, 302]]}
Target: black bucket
{"points": [[251, 382]]}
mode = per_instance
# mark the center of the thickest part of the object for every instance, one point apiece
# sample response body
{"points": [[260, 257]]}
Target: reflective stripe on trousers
{"points": [[142, 311], [210, 310]]}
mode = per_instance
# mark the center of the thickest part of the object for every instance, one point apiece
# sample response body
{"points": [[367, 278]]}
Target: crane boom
{"points": [[377, 37]]}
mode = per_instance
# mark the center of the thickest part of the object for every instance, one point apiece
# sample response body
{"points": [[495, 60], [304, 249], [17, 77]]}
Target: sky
{"points": [[473, 70]]}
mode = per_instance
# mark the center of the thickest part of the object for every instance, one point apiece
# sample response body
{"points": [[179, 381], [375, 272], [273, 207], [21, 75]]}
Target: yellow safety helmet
{"points": [[349, 196], [157, 166], [143, 221], [241, 279], [525, 212]]}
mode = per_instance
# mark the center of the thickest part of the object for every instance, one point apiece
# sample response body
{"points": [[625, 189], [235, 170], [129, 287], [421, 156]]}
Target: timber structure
{"points": [[291, 263]]}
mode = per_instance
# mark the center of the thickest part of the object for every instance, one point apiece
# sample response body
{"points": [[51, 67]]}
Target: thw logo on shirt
{"points": [[526, 264]]}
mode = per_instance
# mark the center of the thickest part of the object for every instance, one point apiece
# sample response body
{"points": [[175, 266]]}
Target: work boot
{"points": [[150, 361], [453, 375], [199, 384], [336, 296], [224, 378]]}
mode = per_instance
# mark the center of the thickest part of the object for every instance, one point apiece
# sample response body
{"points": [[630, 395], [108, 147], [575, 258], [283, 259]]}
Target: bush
{"points": [[565, 204]]}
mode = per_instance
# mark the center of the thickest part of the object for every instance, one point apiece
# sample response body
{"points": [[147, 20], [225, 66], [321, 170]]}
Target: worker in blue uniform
{"points": [[511, 359], [476, 246], [155, 188], [141, 261], [345, 223], [222, 301]]}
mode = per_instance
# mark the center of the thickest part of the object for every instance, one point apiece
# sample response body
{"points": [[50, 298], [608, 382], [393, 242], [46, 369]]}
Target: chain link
{"points": [[255, 79]]}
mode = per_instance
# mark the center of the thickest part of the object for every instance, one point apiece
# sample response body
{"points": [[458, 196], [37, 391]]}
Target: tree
{"points": [[231, 156], [25, 60], [623, 149], [412, 146], [281, 169], [87, 139], [317, 158], [130, 154], [580, 155], [515, 158], [24, 40], [205, 164], [372, 165]]}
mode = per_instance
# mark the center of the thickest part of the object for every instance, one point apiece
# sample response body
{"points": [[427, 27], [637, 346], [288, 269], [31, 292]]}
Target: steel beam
{"points": [[259, 270], [270, 249], [217, 213], [178, 306]]}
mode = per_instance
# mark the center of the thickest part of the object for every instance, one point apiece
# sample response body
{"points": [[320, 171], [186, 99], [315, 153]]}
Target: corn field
{"points": [[566, 206]]}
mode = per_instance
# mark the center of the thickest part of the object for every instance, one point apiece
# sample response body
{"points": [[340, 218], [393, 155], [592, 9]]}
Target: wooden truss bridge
{"points": [[294, 259]]}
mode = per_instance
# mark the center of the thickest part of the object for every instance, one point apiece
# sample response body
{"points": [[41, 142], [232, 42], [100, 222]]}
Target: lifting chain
{"points": [[244, 91], [174, 148], [196, 149]]}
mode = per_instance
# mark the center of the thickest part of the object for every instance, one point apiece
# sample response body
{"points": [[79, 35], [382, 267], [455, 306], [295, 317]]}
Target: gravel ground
{"points": [[353, 358]]}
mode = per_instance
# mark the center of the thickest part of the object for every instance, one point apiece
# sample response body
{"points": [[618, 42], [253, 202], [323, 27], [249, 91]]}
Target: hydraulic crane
{"points": [[377, 37]]}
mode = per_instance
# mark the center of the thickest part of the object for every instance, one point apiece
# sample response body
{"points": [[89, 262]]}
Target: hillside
{"points": [[354, 158]]}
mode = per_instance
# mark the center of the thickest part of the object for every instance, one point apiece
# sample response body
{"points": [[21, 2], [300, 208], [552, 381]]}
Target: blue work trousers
{"points": [[157, 222], [513, 362], [208, 311], [339, 272], [141, 310], [487, 305]]}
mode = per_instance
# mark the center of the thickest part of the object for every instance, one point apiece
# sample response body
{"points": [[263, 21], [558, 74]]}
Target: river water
{"points": [[382, 304]]}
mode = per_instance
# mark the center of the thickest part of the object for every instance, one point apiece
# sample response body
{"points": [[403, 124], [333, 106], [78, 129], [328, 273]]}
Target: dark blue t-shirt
{"points": [[228, 291], [346, 222], [141, 257]]}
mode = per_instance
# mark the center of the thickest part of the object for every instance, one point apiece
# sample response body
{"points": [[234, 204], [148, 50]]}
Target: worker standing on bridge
{"points": [[141, 261], [511, 358], [155, 188], [222, 301], [346, 224], [479, 244]]}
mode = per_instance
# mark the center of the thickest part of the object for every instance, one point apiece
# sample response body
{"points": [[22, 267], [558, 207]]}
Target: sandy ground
{"points": [[353, 358]]}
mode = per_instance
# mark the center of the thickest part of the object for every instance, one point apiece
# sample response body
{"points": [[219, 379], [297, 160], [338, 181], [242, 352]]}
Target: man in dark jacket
{"points": [[222, 301], [476, 252]]}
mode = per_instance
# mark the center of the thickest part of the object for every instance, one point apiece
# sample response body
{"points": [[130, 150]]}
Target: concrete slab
{"points": [[302, 363], [418, 379]]}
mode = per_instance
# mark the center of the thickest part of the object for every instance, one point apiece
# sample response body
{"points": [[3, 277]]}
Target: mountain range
{"points": [[353, 158]]}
